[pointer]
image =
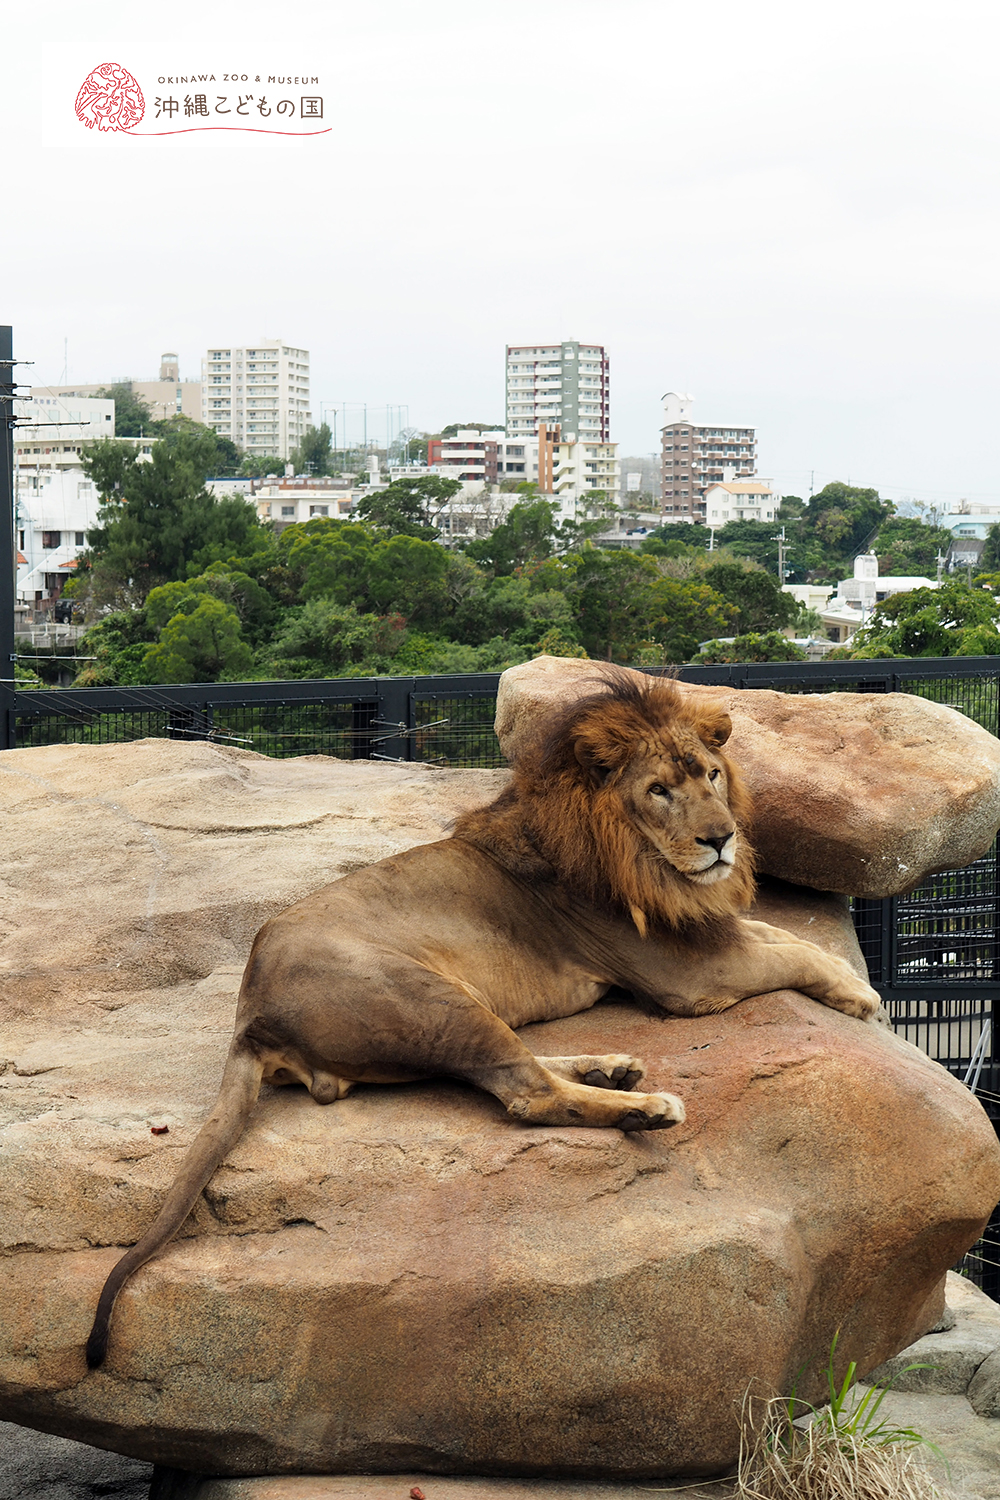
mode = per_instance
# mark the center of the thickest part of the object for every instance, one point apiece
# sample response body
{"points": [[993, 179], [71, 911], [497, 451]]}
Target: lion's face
{"points": [[678, 797], [628, 799]]}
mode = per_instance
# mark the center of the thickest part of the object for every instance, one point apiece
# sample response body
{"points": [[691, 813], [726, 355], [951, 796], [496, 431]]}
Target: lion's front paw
{"points": [[857, 999], [653, 1112]]}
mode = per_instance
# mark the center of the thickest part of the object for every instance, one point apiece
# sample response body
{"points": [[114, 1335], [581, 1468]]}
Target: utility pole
{"points": [[8, 553], [782, 549]]}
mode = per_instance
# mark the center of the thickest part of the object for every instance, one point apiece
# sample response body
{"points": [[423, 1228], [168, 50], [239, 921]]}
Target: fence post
{"points": [[392, 739], [8, 551]]}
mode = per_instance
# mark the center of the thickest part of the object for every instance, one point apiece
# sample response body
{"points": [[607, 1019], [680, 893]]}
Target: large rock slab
{"points": [[862, 793], [144, 864], [409, 1280]]}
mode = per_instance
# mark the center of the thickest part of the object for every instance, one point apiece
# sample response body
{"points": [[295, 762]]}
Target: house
{"points": [[740, 500]]}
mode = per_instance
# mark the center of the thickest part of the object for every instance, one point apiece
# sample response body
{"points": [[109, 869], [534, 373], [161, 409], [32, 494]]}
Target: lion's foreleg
{"points": [[768, 958]]}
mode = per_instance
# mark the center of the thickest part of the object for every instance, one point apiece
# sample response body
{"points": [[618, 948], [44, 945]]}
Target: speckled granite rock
{"points": [[409, 1279]]}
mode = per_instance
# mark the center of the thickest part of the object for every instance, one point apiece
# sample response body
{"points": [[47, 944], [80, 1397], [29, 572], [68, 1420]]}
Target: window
{"points": [[288, 510], [319, 510], [79, 538], [51, 538]]}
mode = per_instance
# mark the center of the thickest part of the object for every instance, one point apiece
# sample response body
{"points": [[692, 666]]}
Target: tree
{"points": [[690, 533], [769, 646], [201, 643], [254, 607], [406, 575], [327, 639], [326, 557], [409, 507], [684, 612], [118, 645], [906, 546], [454, 427], [755, 596], [843, 520], [989, 558], [757, 540], [954, 620], [613, 605], [529, 534], [313, 455], [258, 468], [156, 518], [133, 416]]}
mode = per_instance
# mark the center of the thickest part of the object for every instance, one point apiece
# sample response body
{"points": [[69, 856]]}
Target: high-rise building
{"points": [[257, 395], [564, 385], [696, 455]]}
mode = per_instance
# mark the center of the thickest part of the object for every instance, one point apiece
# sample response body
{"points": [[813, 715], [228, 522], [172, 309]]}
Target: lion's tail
{"points": [[240, 1087]]}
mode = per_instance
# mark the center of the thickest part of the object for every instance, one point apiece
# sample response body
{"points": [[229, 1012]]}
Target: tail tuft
{"points": [[97, 1344]]}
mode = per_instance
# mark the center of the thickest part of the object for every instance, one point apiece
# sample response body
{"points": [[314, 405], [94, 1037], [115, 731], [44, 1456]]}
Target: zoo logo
{"points": [[110, 98]]}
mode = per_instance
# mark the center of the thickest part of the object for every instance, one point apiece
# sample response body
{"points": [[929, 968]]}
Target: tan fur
{"points": [[618, 856]]}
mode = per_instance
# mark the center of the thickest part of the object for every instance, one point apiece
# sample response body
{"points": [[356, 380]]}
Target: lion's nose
{"points": [[717, 844]]}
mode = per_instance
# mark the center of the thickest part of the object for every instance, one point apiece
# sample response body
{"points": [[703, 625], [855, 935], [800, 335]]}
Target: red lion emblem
{"points": [[110, 98]]}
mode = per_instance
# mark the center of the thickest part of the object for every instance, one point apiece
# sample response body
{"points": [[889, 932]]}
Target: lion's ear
{"points": [[587, 756], [715, 729]]}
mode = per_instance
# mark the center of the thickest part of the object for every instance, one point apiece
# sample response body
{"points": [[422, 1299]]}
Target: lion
{"points": [[617, 856]]}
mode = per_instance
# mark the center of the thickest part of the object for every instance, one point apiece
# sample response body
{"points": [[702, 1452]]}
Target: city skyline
{"points": [[802, 236]]}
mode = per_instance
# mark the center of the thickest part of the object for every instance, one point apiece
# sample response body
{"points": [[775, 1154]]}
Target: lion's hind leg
{"points": [[614, 1070]]}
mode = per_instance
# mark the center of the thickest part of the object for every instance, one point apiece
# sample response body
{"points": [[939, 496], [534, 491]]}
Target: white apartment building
{"points": [[257, 395], [741, 500], [572, 470], [284, 502], [568, 470], [564, 384], [167, 396], [695, 455], [54, 501]]}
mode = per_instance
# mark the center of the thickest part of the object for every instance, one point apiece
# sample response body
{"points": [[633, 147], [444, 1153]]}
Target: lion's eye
{"points": [[714, 774], [659, 791]]}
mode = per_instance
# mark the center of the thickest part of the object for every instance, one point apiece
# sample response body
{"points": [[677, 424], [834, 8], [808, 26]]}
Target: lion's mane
{"points": [[563, 818]]}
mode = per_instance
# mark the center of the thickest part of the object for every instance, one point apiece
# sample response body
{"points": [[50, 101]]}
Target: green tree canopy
{"points": [[908, 547], [843, 520], [202, 642], [156, 518], [327, 639], [453, 427], [133, 416], [754, 595], [989, 558], [685, 612], [313, 455], [954, 620], [768, 645], [409, 507]]}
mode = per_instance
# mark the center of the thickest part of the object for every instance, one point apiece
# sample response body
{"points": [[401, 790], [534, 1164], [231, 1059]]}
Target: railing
{"points": [[933, 954]]}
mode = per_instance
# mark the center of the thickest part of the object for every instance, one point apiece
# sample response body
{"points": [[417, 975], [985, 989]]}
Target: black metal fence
{"points": [[933, 955]]}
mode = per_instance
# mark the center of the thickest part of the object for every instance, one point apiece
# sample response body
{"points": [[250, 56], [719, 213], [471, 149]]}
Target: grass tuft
{"points": [[789, 1450]]}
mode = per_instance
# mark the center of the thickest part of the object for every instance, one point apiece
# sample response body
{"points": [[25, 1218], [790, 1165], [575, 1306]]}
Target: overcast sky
{"points": [[788, 210]]}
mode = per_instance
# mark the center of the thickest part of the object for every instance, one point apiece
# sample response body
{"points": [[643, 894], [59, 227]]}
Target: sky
{"points": [[789, 211]]}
